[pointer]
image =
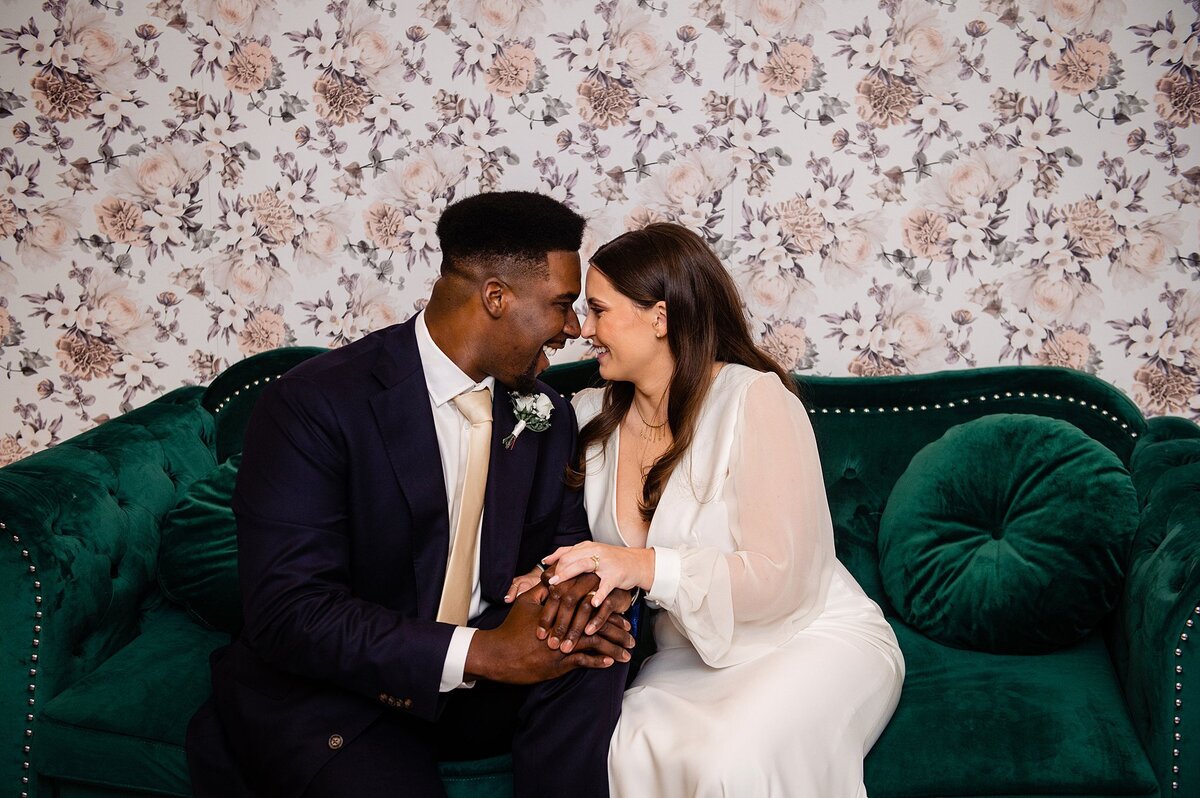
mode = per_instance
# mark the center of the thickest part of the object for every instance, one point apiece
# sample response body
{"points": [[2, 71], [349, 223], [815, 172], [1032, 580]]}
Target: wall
{"points": [[898, 186]]}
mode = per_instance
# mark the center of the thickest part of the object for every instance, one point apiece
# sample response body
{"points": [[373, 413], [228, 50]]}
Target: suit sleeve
{"points": [[292, 513]]}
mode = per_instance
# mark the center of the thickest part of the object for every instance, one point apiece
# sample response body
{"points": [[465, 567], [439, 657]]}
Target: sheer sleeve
{"points": [[735, 604]]}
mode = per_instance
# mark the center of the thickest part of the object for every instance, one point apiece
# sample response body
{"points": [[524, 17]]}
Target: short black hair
{"points": [[510, 229]]}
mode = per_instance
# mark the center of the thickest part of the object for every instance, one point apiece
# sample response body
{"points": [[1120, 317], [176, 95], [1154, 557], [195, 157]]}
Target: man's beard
{"points": [[527, 381]]}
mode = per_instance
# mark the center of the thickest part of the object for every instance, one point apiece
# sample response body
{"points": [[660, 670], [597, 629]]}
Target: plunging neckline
{"points": [[616, 480]]}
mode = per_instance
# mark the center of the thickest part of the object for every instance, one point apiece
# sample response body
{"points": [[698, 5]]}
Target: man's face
{"points": [[539, 317]]}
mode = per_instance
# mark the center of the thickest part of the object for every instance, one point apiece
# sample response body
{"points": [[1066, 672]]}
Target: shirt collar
{"points": [[444, 379]]}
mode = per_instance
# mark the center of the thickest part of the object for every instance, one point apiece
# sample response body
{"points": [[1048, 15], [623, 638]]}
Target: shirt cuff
{"points": [[667, 567], [456, 660]]}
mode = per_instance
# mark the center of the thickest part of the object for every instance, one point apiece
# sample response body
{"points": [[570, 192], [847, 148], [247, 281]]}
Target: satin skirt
{"points": [[795, 722]]}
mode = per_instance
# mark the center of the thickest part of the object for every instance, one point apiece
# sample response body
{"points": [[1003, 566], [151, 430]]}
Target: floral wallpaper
{"points": [[898, 186]]}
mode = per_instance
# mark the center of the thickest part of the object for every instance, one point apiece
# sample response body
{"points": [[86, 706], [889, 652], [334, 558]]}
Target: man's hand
{"points": [[525, 583], [512, 654], [568, 614]]}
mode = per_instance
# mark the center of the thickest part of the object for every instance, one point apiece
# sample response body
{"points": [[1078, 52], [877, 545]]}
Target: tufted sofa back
{"points": [[81, 521]]}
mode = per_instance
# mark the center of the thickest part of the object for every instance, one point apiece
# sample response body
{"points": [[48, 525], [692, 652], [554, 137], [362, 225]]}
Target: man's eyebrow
{"points": [[567, 295]]}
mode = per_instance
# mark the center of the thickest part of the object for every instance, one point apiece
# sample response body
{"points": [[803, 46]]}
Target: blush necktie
{"points": [[455, 605]]}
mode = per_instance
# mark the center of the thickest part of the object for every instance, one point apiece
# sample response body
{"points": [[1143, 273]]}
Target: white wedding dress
{"points": [[775, 673]]}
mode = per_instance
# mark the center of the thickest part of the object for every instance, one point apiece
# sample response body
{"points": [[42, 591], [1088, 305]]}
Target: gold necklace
{"points": [[649, 432]]}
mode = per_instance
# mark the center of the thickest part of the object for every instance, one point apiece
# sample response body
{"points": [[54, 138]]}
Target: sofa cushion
{"points": [[973, 723], [197, 559], [1008, 534], [122, 725]]}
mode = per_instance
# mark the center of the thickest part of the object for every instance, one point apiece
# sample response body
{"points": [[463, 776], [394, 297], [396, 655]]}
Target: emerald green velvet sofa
{"points": [[100, 670]]}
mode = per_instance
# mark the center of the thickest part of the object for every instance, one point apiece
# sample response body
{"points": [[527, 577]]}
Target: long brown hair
{"points": [[705, 325]]}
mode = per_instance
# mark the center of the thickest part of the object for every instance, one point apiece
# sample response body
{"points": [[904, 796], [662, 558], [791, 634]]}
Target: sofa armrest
{"points": [[1158, 620], [79, 551]]}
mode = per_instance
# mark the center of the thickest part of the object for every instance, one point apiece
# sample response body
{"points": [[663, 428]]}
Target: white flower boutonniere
{"points": [[532, 412]]}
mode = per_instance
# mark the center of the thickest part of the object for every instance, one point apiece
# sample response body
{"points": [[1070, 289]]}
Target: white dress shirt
{"points": [[445, 380]]}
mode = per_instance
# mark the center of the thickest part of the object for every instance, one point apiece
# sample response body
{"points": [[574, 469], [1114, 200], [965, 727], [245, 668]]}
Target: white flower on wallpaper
{"points": [[897, 186]]}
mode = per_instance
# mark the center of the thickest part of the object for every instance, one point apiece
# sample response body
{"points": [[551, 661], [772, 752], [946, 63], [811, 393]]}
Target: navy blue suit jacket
{"points": [[343, 535]]}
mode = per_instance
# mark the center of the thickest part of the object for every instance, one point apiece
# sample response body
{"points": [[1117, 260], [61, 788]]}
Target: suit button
{"points": [[335, 741], [407, 703]]}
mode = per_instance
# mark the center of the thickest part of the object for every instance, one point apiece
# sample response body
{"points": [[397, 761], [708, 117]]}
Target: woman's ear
{"points": [[660, 319]]}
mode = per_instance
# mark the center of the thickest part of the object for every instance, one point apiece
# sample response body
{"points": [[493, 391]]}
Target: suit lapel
{"points": [[510, 479], [405, 422]]}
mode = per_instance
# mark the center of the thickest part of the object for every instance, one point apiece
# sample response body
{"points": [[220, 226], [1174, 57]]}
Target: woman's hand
{"points": [[616, 567], [524, 583]]}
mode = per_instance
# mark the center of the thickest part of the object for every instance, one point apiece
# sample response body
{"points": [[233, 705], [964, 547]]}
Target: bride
{"points": [[775, 673]]}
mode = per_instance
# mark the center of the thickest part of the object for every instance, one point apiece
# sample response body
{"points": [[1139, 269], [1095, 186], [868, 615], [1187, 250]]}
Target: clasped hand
{"points": [[571, 608]]}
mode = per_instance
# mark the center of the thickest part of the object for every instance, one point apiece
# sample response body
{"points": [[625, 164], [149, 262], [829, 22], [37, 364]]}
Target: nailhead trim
{"points": [[1183, 638], [983, 398], [26, 748], [238, 392]]}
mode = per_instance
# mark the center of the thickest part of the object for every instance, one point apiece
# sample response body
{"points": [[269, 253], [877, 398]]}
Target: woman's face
{"points": [[628, 344]]}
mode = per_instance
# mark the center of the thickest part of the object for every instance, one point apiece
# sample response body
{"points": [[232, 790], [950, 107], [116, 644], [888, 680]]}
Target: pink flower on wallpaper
{"points": [[338, 100], [62, 97], [1083, 16], [84, 356], [121, 221], [171, 167], [647, 60], [264, 330], [1147, 246], [239, 17], [933, 53], [511, 71], [500, 19], [52, 229], [604, 104], [787, 69], [1067, 349], [1163, 390], [380, 63], [1048, 298], [1092, 227], [882, 103], [384, 225], [854, 248], [782, 17], [802, 223], [925, 233], [107, 59], [1178, 99], [1081, 67], [248, 68]]}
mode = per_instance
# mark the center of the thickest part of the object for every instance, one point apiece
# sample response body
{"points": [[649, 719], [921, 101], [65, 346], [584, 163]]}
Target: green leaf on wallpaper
{"points": [[10, 102], [32, 360], [203, 239], [1006, 252]]}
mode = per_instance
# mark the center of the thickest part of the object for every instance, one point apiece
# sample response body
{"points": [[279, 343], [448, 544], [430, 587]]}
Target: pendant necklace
{"points": [[648, 432]]}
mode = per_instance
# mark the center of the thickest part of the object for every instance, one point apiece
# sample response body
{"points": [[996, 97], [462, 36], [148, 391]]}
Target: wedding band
{"points": [[595, 563], [591, 593]]}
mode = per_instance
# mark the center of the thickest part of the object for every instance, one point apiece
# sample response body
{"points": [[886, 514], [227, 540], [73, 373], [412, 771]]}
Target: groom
{"points": [[381, 520]]}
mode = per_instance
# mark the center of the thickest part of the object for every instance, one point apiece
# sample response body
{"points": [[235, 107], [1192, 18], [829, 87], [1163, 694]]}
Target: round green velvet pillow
{"points": [[197, 558], [1008, 534]]}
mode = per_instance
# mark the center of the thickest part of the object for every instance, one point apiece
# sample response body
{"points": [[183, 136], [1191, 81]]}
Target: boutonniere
{"points": [[532, 412]]}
